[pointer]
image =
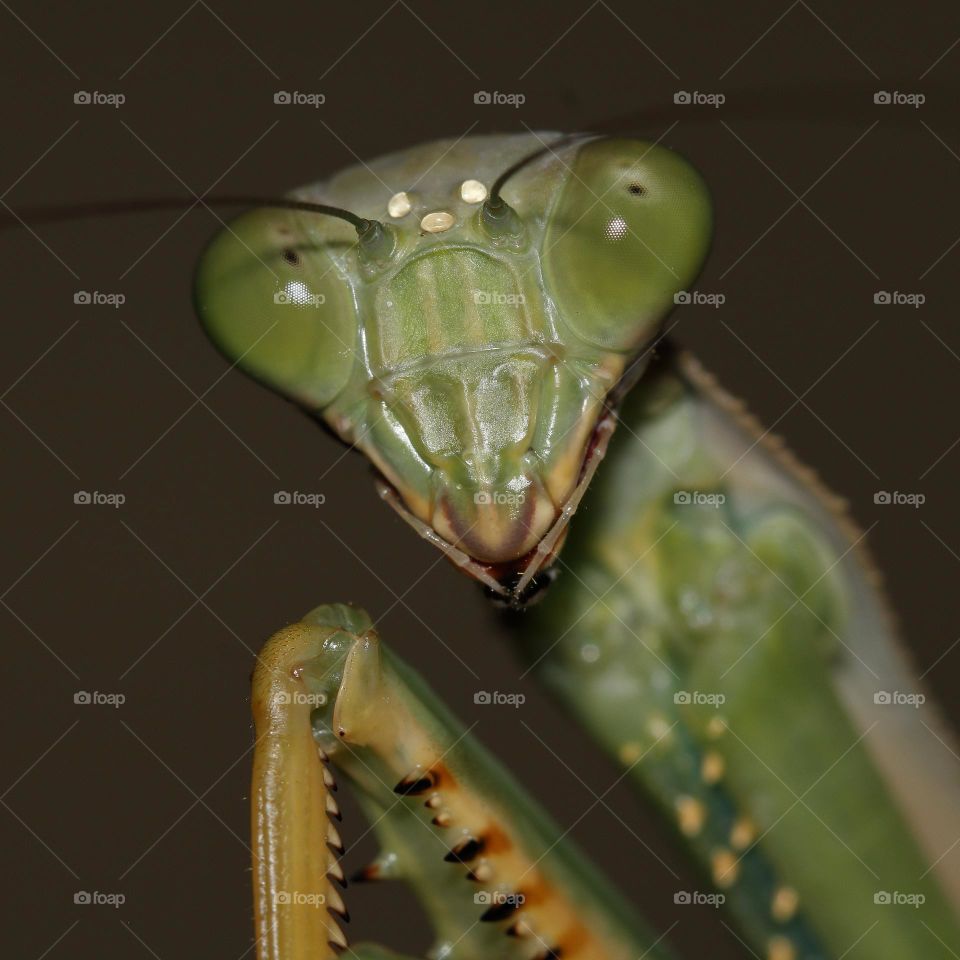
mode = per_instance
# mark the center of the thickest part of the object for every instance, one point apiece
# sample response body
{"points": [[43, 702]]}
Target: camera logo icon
{"points": [[899, 98], [482, 96], [98, 98], [682, 96], [682, 496], [282, 96], [282, 496], [482, 696]]}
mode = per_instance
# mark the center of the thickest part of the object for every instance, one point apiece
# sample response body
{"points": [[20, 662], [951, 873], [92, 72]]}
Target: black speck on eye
{"points": [[636, 189], [292, 257]]}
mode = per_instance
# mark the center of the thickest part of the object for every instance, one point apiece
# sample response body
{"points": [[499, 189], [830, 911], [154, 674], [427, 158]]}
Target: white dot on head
{"points": [[297, 292], [616, 229], [437, 222], [399, 205], [472, 191]]}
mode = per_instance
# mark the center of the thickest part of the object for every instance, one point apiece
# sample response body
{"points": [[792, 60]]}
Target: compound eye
{"points": [[630, 229], [271, 299]]}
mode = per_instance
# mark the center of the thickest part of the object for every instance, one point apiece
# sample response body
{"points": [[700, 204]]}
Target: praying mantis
{"points": [[488, 335]]}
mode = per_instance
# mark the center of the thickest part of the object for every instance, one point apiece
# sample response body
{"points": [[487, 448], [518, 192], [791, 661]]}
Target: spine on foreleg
{"points": [[497, 878], [296, 847]]}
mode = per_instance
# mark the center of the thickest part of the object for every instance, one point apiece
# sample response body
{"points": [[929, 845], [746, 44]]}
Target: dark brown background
{"points": [[166, 599]]}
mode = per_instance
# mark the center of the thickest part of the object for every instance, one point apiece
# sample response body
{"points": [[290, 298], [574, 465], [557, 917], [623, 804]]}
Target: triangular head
{"points": [[475, 339]]}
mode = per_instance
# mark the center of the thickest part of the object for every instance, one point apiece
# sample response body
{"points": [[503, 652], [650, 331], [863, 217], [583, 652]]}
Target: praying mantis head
{"points": [[470, 324]]}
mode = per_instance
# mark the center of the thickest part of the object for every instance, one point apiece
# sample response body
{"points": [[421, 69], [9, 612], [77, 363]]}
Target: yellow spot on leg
{"points": [[780, 948], [658, 727], [743, 833], [712, 767], [716, 727], [690, 816], [725, 867], [630, 752], [785, 903]]}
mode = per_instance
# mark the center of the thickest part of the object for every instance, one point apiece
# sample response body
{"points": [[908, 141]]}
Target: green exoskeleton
{"points": [[468, 348], [471, 318]]}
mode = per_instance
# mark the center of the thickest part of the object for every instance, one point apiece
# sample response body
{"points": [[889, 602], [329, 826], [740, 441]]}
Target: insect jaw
{"points": [[494, 522], [516, 582]]}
